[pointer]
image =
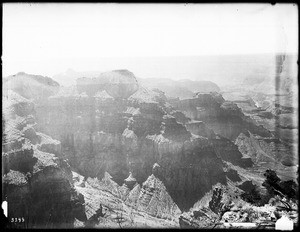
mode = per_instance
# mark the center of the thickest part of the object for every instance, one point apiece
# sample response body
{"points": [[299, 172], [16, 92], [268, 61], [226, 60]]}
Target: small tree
{"points": [[283, 189], [289, 188], [272, 182], [252, 197], [274, 186]]}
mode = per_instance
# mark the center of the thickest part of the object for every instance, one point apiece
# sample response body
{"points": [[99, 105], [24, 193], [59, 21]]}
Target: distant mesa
{"points": [[184, 89], [119, 84], [35, 87], [209, 97]]}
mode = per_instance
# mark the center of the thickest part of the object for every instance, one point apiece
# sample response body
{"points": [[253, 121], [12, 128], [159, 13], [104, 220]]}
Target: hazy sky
{"points": [[49, 38]]}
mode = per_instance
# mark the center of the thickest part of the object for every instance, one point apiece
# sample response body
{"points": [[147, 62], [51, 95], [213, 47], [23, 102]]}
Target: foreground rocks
{"points": [[145, 206], [222, 208]]}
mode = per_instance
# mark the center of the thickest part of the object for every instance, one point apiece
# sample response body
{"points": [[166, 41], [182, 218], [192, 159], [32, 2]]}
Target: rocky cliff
{"points": [[268, 150], [242, 140], [224, 117], [37, 184], [109, 205], [223, 147], [120, 84]]}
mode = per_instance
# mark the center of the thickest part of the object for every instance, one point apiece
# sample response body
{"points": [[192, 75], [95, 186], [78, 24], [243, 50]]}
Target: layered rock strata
{"points": [[223, 117], [99, 134], [37, 184]]}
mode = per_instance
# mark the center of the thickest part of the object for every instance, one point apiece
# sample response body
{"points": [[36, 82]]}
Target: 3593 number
{"points": [[17, 219]]}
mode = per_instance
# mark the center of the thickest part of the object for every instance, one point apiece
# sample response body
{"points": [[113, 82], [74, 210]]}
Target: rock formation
{"points": [[136, 156], [120, 84], [100, 134], [37, 185], [34, 87], [225, 118], [270, 150], [130, 181], [183, 89]]}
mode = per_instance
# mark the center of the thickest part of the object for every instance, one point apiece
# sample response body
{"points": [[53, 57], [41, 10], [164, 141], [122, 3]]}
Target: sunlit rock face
{"points": [[154, 198], [147, 204], [19, 112]]}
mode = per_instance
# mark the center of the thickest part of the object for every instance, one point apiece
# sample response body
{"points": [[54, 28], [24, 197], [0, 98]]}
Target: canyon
{"points": [[114, 152]]}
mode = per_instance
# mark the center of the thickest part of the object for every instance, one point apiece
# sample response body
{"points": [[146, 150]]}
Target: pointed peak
{"points": [[130, 178], [156, 165], [151, 180], [107, 176]]}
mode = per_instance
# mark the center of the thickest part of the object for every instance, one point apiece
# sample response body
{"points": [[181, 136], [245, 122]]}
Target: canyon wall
{"points": [[37, 184], [145, 148], [114, 133], [223, 117]]}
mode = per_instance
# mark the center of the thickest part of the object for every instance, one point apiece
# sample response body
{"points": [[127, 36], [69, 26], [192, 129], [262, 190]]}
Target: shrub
{"points": [[252, 197], [276, 189], [272, 182], [289, 188], [275, 186]]}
